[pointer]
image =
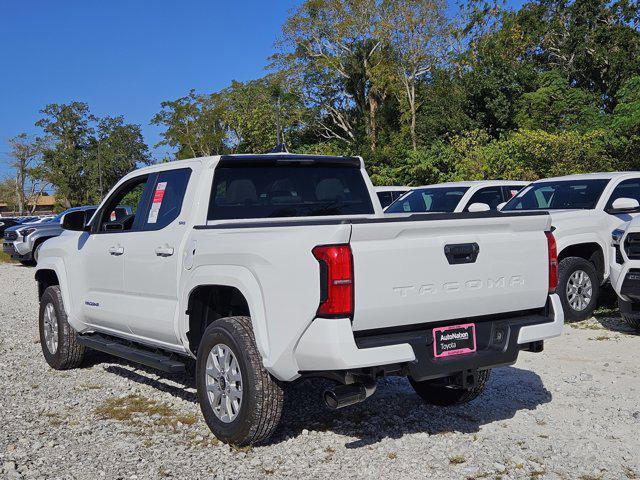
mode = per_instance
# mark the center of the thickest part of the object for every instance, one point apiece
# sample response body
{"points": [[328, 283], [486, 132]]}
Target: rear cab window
{"points": [[246, 189]]}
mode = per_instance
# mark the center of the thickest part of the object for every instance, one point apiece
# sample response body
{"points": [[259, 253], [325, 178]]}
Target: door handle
{"points": [[164, 251], [116, 251], [461, 253]]}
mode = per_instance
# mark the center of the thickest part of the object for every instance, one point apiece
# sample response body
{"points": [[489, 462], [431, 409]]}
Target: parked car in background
{"points": [[387, 195], [23, 242], [625, 270], [7, 222], [270, 268], [584, 210], [456, 197]]}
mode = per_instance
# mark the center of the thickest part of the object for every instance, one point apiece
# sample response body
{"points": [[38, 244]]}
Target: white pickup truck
{"points": [[584, 210], [475, 195], [625, 270], [269, 268]]}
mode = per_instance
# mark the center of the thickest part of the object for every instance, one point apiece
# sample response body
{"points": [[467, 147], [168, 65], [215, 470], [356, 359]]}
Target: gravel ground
{"points": [[570, 412]]}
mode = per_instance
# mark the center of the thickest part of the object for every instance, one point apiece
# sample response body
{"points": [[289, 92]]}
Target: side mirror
{"points": [[479, 207], [74, 221], [501, 206], [623, 204]]}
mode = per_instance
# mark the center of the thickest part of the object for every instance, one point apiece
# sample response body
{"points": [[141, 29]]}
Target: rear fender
{"points": [[231, 276]]}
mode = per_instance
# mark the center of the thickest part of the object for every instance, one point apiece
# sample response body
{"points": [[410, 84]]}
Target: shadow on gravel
{"points": [[392, 412], [144, 375], [395, 410]]}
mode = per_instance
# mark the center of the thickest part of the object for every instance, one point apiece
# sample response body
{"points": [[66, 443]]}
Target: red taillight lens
{"points": [[553, 262], [336, 280]]}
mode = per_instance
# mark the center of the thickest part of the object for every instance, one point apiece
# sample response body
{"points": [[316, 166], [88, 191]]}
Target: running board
{"points": [[135, 354]]}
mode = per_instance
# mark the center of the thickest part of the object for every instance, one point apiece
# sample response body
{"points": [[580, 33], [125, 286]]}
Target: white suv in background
{"points": [[456, 197], [584, 210], [387, 195]]}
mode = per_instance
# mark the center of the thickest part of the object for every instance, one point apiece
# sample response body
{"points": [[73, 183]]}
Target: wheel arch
{"points": [[51, 269], [226, 290], [591, 251]]}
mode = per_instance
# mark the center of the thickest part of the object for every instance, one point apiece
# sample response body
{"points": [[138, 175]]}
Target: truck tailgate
{"points": [[423, 270]]}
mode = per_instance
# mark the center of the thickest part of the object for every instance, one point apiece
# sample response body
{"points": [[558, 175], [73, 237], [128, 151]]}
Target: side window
{"points": [[386, 198], [492, 196], [123, 207], [167, 195], [625, 189], [511, 191]]}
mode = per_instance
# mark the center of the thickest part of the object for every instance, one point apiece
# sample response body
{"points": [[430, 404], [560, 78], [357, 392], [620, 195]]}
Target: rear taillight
{"points": [[336, 280], [553, 262]]}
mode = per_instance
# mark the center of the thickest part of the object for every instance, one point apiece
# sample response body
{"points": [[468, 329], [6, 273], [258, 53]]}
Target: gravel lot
{"points": [[571, 412]]}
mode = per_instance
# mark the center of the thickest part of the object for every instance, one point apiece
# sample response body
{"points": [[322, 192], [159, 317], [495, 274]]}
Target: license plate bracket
{"points": [[454, 340]]}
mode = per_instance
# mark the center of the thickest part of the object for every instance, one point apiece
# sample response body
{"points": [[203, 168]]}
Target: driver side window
{"points": [[123, 209]]}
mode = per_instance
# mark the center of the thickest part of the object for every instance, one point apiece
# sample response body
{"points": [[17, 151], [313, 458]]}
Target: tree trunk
{"points": [[373, 125], [412, 108]]}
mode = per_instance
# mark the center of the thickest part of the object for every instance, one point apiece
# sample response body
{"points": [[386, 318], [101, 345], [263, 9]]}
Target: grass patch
{"points": [[392, 455], [588, 324], [600, 338], [4, 258], [457, 460], [123, 409]]}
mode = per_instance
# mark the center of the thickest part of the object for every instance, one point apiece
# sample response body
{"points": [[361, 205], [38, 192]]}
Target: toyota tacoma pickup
{"points": [[264, 269], [584, 210], [625, 270]]}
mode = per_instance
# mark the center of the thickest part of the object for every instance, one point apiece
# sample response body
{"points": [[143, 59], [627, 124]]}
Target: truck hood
{"points": [[39, 227]]}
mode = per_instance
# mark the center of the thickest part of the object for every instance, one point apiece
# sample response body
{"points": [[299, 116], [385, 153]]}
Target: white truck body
{"points": [[409, 274], [464, 194], [585, 232]]}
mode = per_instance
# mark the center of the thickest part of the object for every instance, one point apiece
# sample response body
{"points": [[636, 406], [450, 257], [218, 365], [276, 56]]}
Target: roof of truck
{"points": [[592, 176], [472, 183]]}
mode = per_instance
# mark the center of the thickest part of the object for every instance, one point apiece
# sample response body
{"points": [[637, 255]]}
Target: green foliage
{"points": [[556, 106], [86, 155]]}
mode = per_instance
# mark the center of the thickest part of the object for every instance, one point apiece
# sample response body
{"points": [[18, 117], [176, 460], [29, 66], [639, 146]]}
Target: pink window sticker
{"points": [[112, 217], [513, 193], [158, 195]]}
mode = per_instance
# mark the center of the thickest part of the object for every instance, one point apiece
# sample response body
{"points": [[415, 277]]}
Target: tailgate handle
{"points": [[461, 253]]}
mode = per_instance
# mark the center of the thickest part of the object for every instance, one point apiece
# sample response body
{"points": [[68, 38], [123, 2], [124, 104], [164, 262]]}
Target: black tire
{"points": [[28, 263], [566, 269], [262, 397], [632, 320], [434, 392], [68, 352]]}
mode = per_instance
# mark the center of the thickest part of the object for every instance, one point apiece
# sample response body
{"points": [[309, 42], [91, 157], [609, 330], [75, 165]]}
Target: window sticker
{"points": [[112, 217], [157, 202], [513, 192]]}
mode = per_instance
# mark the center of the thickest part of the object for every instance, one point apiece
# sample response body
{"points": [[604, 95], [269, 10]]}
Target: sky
{"points": [[124, 57]]}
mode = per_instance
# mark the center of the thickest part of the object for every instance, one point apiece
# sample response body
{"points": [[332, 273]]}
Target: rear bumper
{"points": [[330, 345]]}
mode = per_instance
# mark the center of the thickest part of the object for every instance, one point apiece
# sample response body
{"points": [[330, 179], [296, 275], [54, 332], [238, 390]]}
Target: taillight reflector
{"points": [[336, 280], [553, 262]]}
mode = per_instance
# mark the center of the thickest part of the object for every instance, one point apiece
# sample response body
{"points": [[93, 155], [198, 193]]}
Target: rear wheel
{"points": [[578, 287], [239, 399], [434, 392], [59, 341]]}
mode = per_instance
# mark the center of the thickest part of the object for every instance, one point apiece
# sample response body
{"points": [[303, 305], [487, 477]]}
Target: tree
{"points": [[417, 31], [194, 125], [255, 111], [556, 105], [25, 154], [87, 155], [336, 51], [117, 149], [65, 161]]}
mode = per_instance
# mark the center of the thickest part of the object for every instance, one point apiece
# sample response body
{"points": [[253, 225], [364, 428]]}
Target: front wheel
{"points": [[239, 399], [59, 341], [578, 287], [434, 392]]}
